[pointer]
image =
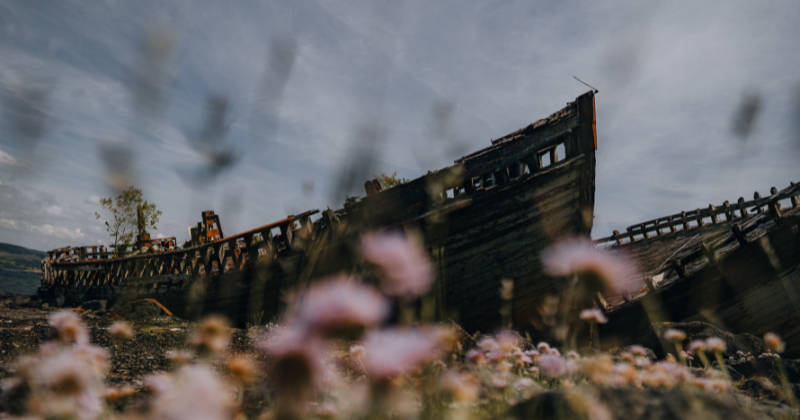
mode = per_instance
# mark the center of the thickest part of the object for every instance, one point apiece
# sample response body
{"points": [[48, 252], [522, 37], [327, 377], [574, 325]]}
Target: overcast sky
{"points": [[254, 109]]}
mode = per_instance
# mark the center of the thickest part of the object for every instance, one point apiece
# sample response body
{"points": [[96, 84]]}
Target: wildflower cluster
{"points": [[333, 356], [501, 362], [64, 378], [386, 361]]}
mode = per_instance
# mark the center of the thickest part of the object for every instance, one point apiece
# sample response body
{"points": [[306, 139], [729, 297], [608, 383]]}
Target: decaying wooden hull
{"points": [[484, 219], [517, 223], [740, 271]]}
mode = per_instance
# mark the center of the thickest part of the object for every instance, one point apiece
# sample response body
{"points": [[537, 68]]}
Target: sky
{"points": [[261, 109]]}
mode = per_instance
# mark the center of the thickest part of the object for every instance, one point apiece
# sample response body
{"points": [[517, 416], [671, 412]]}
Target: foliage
{"points": [[389, 181], [123, 225]]}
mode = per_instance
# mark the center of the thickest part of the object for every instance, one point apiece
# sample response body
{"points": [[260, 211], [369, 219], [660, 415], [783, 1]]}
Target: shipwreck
{"points": [[484, 219], [736, 266]]}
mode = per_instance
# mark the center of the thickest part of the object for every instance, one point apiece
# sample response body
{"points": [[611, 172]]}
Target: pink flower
{"points": [[523, 384], [551, 365], [716, 344], [68, 328], [337, 304], [476, 356], [211, 335], [65, 382], [179, 357], [299, 358], [122, 329], [638, 350], [508, 341], [488, 344], [407, 270], [594, 316], [531, 353], [580, 256], [774, 342], [194, 393], [697, 346], [674, 335], [395, 351]]}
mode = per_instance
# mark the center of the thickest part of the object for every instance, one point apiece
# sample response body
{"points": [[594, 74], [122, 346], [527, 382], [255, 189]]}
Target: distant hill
{"points": [[14, 257]]}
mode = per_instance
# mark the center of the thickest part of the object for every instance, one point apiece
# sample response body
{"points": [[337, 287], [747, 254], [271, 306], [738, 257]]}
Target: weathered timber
{"points": [[741, 274]]}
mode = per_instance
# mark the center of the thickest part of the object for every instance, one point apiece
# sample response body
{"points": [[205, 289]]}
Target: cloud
{"points": [[45, 229], [33, 218], [12, 164], [439, 78], [58, 232], [9, 224]]}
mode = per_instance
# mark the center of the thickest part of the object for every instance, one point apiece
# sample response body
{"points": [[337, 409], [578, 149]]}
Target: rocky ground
{"points": [[757, 389]]}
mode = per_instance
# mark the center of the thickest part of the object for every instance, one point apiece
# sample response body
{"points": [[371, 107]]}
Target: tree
{"points": [[124, 223], [389, 181]]}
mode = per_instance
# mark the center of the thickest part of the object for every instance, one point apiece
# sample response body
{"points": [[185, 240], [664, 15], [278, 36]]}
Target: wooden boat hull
{"points": [[751, 284]]}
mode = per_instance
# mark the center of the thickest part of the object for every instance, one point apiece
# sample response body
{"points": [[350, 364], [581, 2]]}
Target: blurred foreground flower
{"points": [[65, 382], [339, 306], [551, 365], [462, 386], [242, 369], [407, 270], [674, 335], [716, 344], [122, 329], [193, 392], [394, 351], [579, 256], [179, 357], [67, 328], [593, 316], [774, 342], [211, 335], [299, 359]]}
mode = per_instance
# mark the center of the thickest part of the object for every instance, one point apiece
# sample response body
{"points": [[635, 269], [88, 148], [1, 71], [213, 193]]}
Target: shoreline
{"points": [[32, 272]]}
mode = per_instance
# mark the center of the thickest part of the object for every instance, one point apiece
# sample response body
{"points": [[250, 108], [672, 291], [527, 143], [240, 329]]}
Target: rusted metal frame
{"points": [[138, 269]]}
